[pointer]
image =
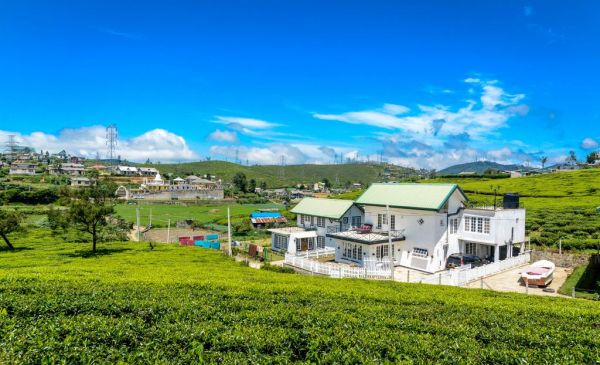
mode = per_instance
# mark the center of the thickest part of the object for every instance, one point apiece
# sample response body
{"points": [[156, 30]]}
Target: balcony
{"points": [[349, 233]]}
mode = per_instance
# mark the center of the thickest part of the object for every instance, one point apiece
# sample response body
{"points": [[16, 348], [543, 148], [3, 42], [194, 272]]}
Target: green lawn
{"points": [[585, 280], [128, 304], [205, 213]]}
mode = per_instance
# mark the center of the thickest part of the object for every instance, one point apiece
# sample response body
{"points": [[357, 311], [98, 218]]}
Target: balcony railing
{"points": [[372, 236]]}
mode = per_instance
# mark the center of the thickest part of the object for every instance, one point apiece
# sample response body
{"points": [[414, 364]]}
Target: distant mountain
{"points": [[479, 167]]}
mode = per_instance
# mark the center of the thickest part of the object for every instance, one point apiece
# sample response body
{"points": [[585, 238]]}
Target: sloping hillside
{"points": [[281, 176], [478, 167]]}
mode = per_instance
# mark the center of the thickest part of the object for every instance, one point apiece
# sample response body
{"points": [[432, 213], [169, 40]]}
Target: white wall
{"points": [[322, 231]]}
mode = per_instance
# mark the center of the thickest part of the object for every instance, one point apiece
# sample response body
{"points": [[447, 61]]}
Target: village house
{"points": [[421, 224], [147, 171], [318, 217], [73, 169], [124, 170], [81, 181], [22, 168]]}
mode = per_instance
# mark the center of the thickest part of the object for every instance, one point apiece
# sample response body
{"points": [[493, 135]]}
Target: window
{"points": [[383, 251], [453, 226], [356, 221], [345, 220], [477, 224], [320, 242], [298, 246], [312, 220], [393, 222], [420, 252], [470, 248], [311, 243], [381, 220], [302, 217], [320, 222]]}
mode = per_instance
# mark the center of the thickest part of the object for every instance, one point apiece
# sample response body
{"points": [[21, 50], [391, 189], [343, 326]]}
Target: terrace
{"points": [[364, 234]]}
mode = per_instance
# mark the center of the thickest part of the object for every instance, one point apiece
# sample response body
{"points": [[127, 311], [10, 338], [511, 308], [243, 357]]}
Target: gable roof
{"points": [[328, 208], [410, 196]]}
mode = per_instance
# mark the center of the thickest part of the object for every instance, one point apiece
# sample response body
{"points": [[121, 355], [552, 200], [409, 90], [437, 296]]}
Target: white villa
{"points": [[422, 224]]}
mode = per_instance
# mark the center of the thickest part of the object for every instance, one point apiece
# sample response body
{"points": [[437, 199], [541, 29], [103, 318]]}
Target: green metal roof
{"points": [[329, 208], [410, 196]]}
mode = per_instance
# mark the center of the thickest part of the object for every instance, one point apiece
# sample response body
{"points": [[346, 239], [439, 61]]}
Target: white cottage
{"points": [[315, 219]]}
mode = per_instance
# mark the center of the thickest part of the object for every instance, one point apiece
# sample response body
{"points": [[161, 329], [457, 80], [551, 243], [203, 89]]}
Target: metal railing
{"points": [[396, 233]]}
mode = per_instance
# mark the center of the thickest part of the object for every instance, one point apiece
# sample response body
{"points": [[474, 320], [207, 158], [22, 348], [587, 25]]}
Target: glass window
{"points": [[392, 222], [356, 221], [320, 242], [486, 226], [420, 252], [470, 248]]}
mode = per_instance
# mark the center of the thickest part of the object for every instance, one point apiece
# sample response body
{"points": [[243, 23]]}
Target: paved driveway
{"points": [[509, 281]]}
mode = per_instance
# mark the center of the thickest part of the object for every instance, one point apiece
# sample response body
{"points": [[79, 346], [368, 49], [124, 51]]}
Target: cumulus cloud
{"points": [[294, 153], [480, 118], [223, 136], [589, 144], [157, 144]]}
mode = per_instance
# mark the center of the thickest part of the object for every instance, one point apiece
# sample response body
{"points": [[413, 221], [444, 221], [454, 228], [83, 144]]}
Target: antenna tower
{"points": [[111, 143]]}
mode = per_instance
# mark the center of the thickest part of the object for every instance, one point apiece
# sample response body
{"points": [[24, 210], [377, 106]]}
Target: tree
{"points": [[543, 160], [252, 186], [263, 185], [572, 157], [593, 157], [90, 208], [9, 222], [326, 182], [240, 182]]}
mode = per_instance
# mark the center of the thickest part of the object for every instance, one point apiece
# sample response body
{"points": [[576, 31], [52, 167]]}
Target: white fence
{"points": [[463, 276], [370, 269], [373, 269]]}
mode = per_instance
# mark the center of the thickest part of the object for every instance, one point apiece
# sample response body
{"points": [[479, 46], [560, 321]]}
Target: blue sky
{"points": [[424, 83]]}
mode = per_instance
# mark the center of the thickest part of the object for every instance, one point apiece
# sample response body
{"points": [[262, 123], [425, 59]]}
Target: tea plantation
{"points": [[129, 304]]}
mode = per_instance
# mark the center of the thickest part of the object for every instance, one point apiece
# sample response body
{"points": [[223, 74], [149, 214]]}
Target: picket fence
{"points": [[382, 270], [463, 275], [370, 270]]}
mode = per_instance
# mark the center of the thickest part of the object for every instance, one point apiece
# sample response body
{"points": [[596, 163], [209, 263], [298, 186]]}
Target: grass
{"points": [[585, 280], [59, 304], [204, 213]]}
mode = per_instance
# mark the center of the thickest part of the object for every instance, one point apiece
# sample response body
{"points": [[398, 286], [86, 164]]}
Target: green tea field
{"points": [[205, 213], [181, 305]]}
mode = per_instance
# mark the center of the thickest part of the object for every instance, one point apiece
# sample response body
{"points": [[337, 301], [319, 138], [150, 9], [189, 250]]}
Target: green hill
{"points": [[478, 167], [182, 305], [284, 176]]}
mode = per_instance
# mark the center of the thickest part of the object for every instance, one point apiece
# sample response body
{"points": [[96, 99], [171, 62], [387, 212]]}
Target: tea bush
{"points": [[181, 305]]}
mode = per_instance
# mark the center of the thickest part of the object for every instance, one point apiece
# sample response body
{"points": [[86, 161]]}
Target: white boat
{"points": [[539, 273]]}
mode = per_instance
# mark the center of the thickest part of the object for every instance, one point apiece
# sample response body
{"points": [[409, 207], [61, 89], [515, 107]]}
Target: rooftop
{"points": [[328, 208], [410, 196]]}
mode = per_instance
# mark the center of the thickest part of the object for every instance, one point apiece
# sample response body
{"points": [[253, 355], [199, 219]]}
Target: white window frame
{"points": [[320, 222], [470, 248], [420, 252], [320, 242]]}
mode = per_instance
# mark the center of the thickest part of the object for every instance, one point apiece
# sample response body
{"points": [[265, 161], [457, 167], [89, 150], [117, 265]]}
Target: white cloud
{"points": [[480, 119], [245, 122], [157, 144], [472, 80], [294, 153], [589, 143], [223, 136]]}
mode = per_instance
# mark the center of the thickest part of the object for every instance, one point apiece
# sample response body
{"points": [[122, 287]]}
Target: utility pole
{"points": [[169, 231], [150, 223], [391, 251], [137, 216], [230, 251], [111, 143]]}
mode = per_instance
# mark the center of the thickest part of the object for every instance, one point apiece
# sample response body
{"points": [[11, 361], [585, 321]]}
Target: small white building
{"points": [[73, 169], [81, 181], [147, 171], [125, 170], [22, 168], [320, 217]]}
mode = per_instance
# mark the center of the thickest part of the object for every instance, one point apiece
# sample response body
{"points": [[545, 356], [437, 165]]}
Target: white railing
{"points": [[369, 270], [320, 252], [465, 275]]}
